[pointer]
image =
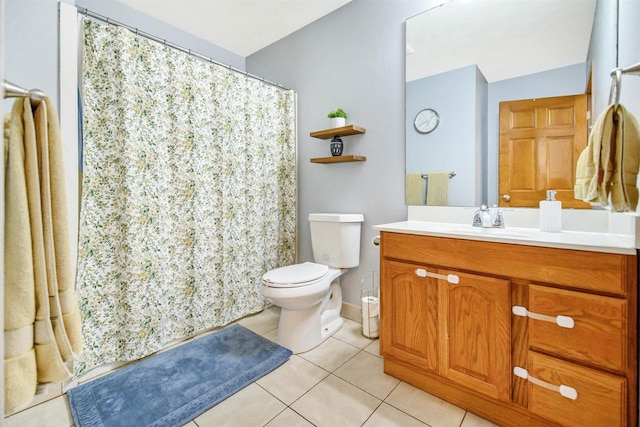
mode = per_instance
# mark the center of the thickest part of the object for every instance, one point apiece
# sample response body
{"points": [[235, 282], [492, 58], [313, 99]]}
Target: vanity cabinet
{"points": [[518, 334]]}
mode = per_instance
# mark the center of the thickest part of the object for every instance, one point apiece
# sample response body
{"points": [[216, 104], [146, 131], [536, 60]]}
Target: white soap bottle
{"points": [[551, 213]]}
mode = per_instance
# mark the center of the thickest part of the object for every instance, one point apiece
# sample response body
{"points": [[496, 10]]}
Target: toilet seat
{"points": [[295, 275]]}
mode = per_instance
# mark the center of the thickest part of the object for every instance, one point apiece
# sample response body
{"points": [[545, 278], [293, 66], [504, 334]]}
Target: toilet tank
{"points": [[335, 239]]}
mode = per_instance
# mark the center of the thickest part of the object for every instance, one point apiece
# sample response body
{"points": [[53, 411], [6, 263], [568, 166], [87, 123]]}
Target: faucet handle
{"points": [[477, 219], [498, 222]]}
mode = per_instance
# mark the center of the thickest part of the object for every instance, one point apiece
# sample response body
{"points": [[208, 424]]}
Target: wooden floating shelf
{"points": [[342, 131], [339, 159]]}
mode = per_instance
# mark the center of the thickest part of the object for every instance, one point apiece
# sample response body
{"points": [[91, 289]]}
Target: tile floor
{"points": [[339, 383]]}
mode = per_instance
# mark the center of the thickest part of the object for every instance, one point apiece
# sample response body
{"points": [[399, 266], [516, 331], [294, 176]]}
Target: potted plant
{"points": [[338, 118]]}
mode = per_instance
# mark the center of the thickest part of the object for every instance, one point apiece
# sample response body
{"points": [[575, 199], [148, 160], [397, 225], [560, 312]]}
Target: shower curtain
{"points": [[189, 193]]}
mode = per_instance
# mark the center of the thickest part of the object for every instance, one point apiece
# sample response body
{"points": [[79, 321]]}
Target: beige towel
{"points": [[54, 335], [609, 164], [625, 161], [19, 286], [437, 189], [414, 185], [589, 173]]}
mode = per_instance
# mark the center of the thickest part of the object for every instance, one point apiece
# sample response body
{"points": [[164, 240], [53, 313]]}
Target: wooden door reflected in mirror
{"points": [[540, 142]]}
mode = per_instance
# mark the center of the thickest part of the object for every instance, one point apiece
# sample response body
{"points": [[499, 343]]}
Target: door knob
{"points": [[506, 197]]}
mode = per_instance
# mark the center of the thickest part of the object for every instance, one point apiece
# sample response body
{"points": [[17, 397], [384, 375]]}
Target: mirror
{"points": [[463, 58]]}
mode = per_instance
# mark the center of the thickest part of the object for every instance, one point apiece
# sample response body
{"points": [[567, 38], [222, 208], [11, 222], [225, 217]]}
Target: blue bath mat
{"points": [[174, 387]]}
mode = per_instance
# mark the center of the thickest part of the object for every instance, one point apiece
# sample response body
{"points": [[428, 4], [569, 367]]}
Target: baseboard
{"points": [[351, 312]]}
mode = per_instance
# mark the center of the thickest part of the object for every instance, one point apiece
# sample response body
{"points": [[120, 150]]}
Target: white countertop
{"points": [[578, 240]]}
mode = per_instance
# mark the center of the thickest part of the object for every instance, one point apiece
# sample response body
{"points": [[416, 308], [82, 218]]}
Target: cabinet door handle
{"points": [[562, 321], [564, 390], [451, 278]]}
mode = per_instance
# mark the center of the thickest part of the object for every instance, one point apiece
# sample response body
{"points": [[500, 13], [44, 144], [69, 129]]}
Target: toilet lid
{"points": [[295, 274]]}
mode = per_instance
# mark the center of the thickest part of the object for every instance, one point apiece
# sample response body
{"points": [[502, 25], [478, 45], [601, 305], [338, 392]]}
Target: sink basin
{"points": [[471, 230]]}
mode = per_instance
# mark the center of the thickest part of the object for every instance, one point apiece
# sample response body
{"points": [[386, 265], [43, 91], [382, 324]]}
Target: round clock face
{"points": [[426, 120]]}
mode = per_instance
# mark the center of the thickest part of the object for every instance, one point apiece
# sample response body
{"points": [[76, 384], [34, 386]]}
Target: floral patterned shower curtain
{"points": [[189, 194]]}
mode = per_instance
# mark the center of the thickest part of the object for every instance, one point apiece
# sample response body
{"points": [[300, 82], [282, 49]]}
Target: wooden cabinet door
{"points": [[475, 333], [408, 315], [540, 142]]}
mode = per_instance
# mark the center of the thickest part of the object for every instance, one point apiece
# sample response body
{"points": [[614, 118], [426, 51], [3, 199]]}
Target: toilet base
{"points": [[302, 330]]}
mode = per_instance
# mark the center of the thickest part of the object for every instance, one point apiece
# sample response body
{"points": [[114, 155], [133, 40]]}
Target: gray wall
{"points": [[629, 53], [31, 46], [481, 138], [616, 43], [603, 52], [452, 147], [353, 59]]}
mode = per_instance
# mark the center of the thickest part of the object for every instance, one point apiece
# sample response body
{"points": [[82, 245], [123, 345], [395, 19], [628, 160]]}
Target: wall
{"points": [[452, 146], [481, 138], [602, 52], [352, 58], [616, 43], [30, 57], [629, 53]]}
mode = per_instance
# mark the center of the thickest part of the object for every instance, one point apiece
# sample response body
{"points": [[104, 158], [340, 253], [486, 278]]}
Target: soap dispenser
{"points": [[551, 213]]}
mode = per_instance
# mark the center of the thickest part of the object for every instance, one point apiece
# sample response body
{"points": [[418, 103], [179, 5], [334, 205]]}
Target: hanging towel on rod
{"points": [[437, 188], [414, 187], [42, 320], [608, 166]]}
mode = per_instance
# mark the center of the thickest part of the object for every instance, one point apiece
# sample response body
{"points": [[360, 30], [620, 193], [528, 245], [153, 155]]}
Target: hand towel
{"points": [[589, 171], [609, 164], [626, 160], [437, 188], [414, 185]]}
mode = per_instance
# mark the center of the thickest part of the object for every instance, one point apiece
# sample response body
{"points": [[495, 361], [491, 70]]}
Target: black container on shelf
{"points": [[336, 146]]}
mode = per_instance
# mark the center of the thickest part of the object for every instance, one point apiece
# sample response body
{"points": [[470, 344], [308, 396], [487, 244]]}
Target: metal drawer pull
{"points": [[451, 278], [564, 390], [562, 321]]}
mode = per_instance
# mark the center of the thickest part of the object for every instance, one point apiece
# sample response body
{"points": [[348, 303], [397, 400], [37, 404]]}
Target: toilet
{"points": [[309, 293]]}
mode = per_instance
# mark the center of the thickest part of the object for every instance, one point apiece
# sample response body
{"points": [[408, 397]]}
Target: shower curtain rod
{"points": [[138, 32]]}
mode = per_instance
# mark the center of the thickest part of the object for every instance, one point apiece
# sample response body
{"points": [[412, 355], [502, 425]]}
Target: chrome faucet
{"points": [[480, 217]]}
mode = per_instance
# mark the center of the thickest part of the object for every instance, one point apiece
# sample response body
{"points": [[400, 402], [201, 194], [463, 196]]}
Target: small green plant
{"points": [[338, 113]]}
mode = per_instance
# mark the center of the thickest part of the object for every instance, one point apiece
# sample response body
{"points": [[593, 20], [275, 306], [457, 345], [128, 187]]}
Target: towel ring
{"points": [[616, 83]]}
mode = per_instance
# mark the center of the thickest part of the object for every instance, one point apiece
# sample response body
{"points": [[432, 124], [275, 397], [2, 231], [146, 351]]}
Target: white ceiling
{"points": [[240, 26], [505, 38]]}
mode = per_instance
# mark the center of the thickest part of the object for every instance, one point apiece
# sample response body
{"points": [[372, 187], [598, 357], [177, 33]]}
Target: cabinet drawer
{"points": [[601, 272], [601, 398], [598, 335]]}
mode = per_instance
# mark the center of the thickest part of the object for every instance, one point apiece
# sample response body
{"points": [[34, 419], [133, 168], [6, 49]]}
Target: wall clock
{"points": [[426, 120]]}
